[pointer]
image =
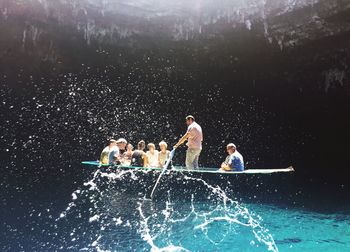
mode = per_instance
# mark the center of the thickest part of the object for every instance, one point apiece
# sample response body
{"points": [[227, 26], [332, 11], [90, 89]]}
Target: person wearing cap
{"points": [[121, 143], [194, 137], [110, 153], [234, 161], [164, 154]]}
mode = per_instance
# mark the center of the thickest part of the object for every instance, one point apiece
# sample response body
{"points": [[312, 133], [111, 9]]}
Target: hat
{"points": [[112, 141], [190, 117], [231, 145], [122, 140]]}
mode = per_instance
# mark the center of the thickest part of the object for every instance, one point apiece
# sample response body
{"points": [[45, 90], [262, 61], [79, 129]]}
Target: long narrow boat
{"points": [[200, 170]]}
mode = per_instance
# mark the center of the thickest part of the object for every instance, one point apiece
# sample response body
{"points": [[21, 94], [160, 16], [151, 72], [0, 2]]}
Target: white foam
{"points": [[96, 217]]}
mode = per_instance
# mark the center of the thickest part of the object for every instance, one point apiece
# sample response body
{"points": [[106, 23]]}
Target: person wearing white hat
{"points": [[121, 143], [234, 161], [194, 137]]}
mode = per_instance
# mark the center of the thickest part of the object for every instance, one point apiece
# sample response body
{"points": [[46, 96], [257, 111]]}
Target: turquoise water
{"points": [[303, 230], [112, 212]]}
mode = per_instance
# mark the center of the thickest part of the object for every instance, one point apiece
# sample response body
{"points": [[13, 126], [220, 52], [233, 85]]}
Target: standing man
{"points": [[194, 137]]}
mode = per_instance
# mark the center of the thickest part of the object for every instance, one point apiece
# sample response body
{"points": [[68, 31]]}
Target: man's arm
{"points": [[225, 167], [182, 140], [227, 164]]}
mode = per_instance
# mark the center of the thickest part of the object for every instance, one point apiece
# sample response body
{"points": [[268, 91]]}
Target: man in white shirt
{"points": [[194, 137]]}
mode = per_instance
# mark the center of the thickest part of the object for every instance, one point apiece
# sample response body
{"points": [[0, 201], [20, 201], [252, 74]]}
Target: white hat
{"points": [[190, 117], [231, 145], [112, 141], [122, 140]]}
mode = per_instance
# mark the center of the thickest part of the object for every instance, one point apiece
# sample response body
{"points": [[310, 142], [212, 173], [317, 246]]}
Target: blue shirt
{"points": [[108, 155], [236, 161], [114, 153]]}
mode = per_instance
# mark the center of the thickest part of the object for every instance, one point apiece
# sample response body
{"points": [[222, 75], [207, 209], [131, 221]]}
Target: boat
{"points": [[199, 170]]}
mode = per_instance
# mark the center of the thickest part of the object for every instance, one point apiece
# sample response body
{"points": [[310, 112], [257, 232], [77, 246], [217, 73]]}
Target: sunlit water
{"points": [[112, 212]]}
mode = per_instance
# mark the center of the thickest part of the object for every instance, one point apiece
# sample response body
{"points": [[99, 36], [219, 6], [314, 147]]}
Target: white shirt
{"points": [[153, 159]]}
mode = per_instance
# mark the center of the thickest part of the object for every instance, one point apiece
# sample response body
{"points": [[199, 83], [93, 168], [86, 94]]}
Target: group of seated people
{"points": [[121, 152]]}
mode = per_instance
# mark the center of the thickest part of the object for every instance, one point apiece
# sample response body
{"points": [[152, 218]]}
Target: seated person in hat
{"points": [[121, 143], [234, 161]]}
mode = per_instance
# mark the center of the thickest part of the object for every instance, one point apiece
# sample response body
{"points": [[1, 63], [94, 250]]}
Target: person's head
{"points": [[189, 120], [112, 142], [163, 146], [129, 147], [151, 147], [231, 148], [121, 143], [141, 145]]}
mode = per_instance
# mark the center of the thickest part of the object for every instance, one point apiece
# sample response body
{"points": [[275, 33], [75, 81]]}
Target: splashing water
{"points": [[121, 217]]}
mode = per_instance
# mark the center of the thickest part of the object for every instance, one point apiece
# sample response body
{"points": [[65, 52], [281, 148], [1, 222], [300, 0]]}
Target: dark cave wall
{"points": [[301, 92]]}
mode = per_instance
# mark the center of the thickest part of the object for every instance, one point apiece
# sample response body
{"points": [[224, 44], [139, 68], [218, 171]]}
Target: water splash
{"points": [[120, 211]]}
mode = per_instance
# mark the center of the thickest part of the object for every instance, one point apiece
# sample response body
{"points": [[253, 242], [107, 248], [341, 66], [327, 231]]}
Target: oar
{"points": [[171, 155]]}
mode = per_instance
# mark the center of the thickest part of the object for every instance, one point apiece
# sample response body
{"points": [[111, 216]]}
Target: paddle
{"points": [[171, 155]]}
